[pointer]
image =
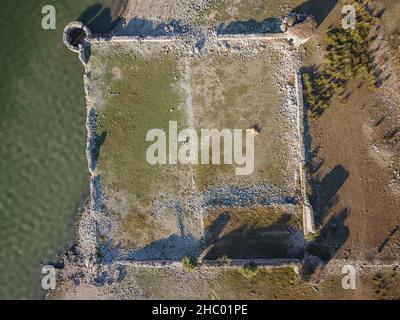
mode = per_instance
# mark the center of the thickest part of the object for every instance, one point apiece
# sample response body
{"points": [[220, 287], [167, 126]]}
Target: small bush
{"points": [[189, 263], [223, 261], [312, 236], [249, 271]]}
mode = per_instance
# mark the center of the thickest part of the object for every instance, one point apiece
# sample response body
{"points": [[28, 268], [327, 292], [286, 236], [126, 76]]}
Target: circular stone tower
{"points": [[75, 35]]}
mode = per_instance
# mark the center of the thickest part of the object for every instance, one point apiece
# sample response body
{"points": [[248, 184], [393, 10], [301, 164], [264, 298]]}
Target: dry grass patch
{"points": [[139, 92], [258, 232], [234, 92], [248, 219]]}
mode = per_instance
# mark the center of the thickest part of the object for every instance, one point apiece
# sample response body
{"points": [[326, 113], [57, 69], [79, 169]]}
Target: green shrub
{"points": [[313, 236], [223, 261], [249, 271], [189, 263]]}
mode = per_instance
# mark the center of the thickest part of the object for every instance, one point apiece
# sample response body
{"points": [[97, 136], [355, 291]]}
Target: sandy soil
{"points": [[356, 181]]}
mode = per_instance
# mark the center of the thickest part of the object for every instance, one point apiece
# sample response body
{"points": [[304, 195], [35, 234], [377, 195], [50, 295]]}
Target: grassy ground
{"points": [[137, 91], [232, 92], [139, 94], [270, 284], [253, 218], [232, 284], [256, 232]]}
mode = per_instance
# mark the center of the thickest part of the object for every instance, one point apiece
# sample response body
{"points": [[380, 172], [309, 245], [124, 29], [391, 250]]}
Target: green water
{"points": [[43, 169]]}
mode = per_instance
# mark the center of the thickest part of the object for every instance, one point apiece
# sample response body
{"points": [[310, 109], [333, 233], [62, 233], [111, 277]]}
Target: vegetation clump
{"points": [[223, 261], [249, 271], [312, 236], [348, 56], [189, 263]]}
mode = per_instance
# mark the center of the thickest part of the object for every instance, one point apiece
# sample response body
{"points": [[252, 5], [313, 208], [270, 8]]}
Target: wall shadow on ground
{"points": [[172, 247], [96, 143], [325, 192], [147, 28], [96, 139], [140, 27], [98, 18], [321, 250], [332, 236], [324, 196], [250, 26], [274, 241]]}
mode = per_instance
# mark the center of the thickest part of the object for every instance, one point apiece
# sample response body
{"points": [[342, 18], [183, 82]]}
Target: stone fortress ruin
{"points": [[206, 214]]}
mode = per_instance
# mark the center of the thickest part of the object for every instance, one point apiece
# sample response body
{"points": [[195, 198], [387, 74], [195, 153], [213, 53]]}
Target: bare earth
{"points": [[358, 175]]}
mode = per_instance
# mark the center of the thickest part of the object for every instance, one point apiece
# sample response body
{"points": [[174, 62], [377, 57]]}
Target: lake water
{"points": [[43, 169]]}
